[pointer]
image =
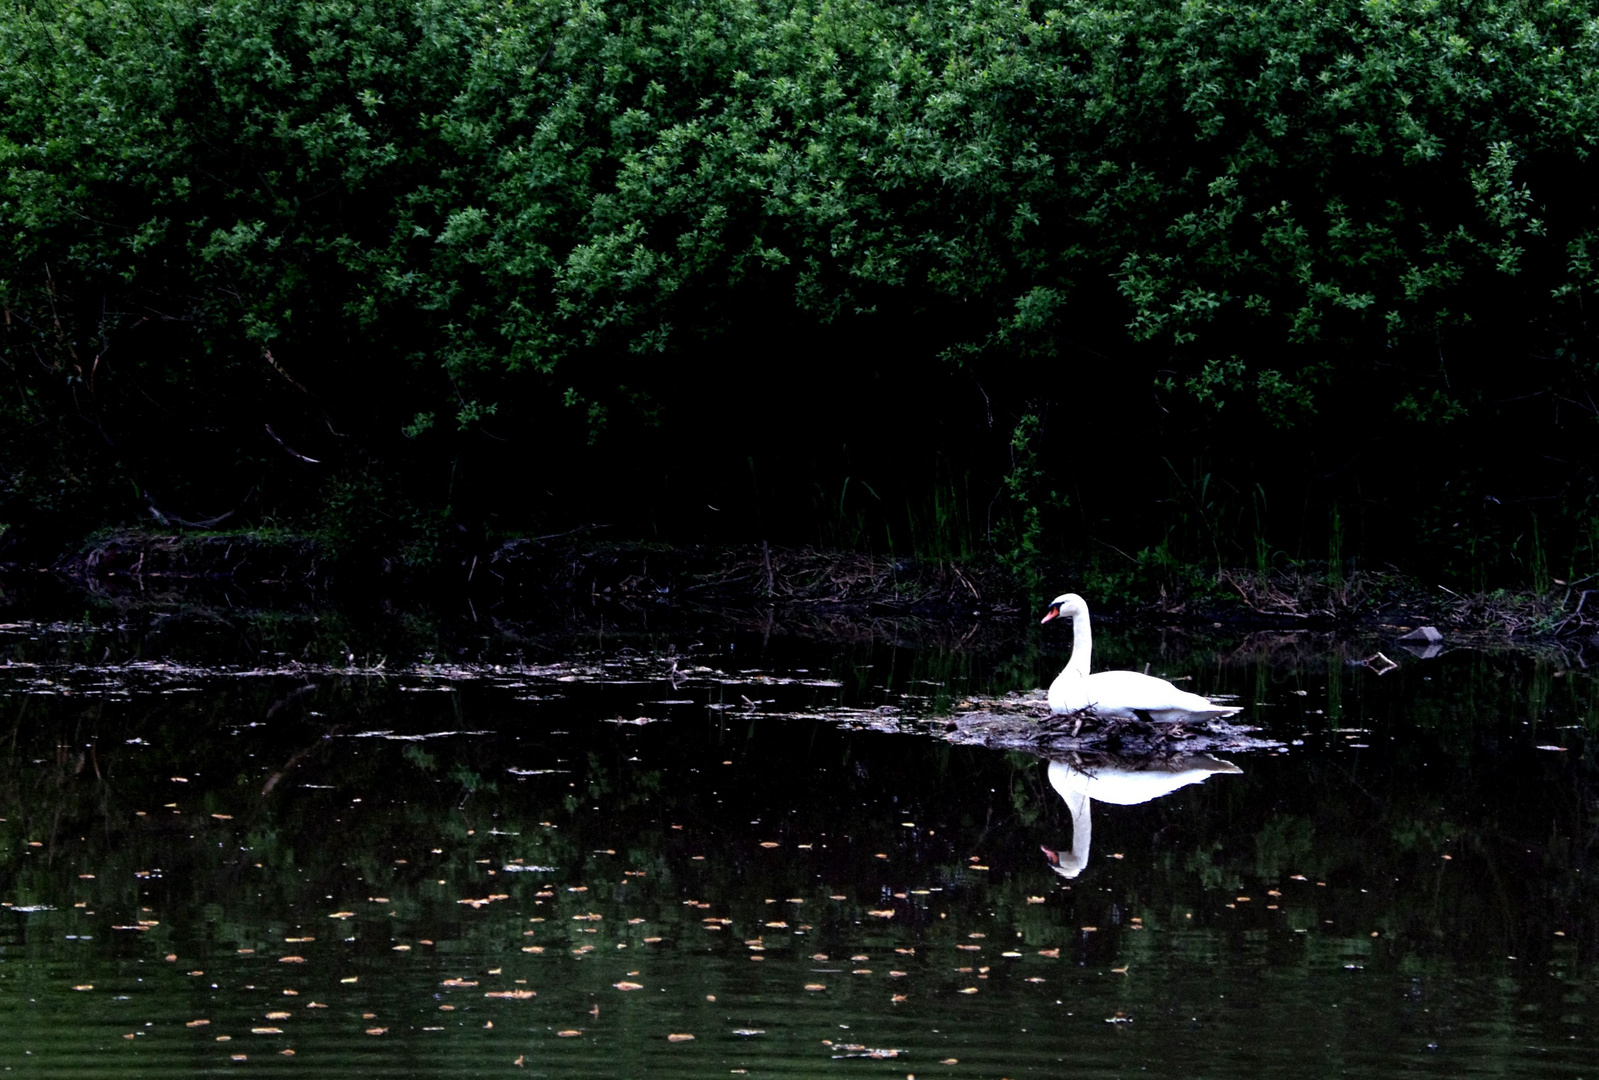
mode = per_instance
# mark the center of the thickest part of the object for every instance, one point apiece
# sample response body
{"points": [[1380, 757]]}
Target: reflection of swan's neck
{"points": [[1072, 864], [1082, 833]]}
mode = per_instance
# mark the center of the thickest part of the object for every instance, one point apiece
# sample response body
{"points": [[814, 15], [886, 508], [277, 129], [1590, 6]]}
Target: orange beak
{"points": [[1050, 614]]}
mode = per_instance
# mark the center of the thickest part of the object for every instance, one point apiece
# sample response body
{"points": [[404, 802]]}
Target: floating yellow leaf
{"points": [[376, 1031], [85, 986], [342, 915], [291, 959], [628, 986], [1051, 953], [815, 986], [458, 982], [266, 1031], [884, 913], [277, 1016], [511, 995], [223, 817], [197, 1023], [677, 1037], [569, 1033], [969, 990]]}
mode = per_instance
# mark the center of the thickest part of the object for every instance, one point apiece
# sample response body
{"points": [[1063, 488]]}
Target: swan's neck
{"points": [[1082, 646]]}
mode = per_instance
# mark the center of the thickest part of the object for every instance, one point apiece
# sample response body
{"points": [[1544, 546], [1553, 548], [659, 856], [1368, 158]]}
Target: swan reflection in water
{"points": [[1123, 781]]}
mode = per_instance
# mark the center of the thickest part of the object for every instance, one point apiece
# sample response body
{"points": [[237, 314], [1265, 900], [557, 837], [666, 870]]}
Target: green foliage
{"points": [[364, 522], [1018, 537], [1157, 574], [386, 230]]}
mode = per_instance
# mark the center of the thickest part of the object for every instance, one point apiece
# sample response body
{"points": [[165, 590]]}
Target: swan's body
{"points": [[1123, 783], [1125, 694]]}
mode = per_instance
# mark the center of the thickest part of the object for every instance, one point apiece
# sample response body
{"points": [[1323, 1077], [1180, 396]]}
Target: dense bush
{"points": [[644, 255]]}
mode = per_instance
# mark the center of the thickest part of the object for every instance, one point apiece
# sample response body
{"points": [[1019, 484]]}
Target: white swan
{"points": [[1121, 782], [1117, 693]]}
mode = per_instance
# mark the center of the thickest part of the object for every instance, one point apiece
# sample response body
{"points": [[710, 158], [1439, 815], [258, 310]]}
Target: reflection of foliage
{"points": [[419, 757], [1284, 841], [1455, 752]]}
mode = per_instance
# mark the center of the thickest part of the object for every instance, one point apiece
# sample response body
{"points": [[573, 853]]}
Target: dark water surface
{"points": [[692, 853]]}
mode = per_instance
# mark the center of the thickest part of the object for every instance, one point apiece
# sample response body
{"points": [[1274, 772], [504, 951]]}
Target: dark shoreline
{"points": [[268, 570]]}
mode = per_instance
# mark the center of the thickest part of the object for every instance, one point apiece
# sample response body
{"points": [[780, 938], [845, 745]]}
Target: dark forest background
{"points": [[1225, 284]]}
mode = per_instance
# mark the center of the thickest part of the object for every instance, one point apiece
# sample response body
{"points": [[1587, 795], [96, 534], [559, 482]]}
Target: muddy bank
{"points": [[798, 590]]}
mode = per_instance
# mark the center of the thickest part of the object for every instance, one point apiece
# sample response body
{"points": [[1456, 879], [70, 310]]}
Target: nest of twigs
{"points": [[1025, 722]]}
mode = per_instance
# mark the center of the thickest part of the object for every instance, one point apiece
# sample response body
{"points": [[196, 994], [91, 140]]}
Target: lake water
{"points": [[612, 849]]}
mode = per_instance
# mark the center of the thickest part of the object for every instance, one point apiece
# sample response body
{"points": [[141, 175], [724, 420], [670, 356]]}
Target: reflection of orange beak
{"points": [[1050, 614], [1051, 854]]}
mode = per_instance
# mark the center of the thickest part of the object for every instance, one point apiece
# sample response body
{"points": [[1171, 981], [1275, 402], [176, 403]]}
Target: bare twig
{"points": [[289, 449]]}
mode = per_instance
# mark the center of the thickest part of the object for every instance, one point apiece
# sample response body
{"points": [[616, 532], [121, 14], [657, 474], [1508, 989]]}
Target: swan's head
{"points": [[1068, 604]]}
